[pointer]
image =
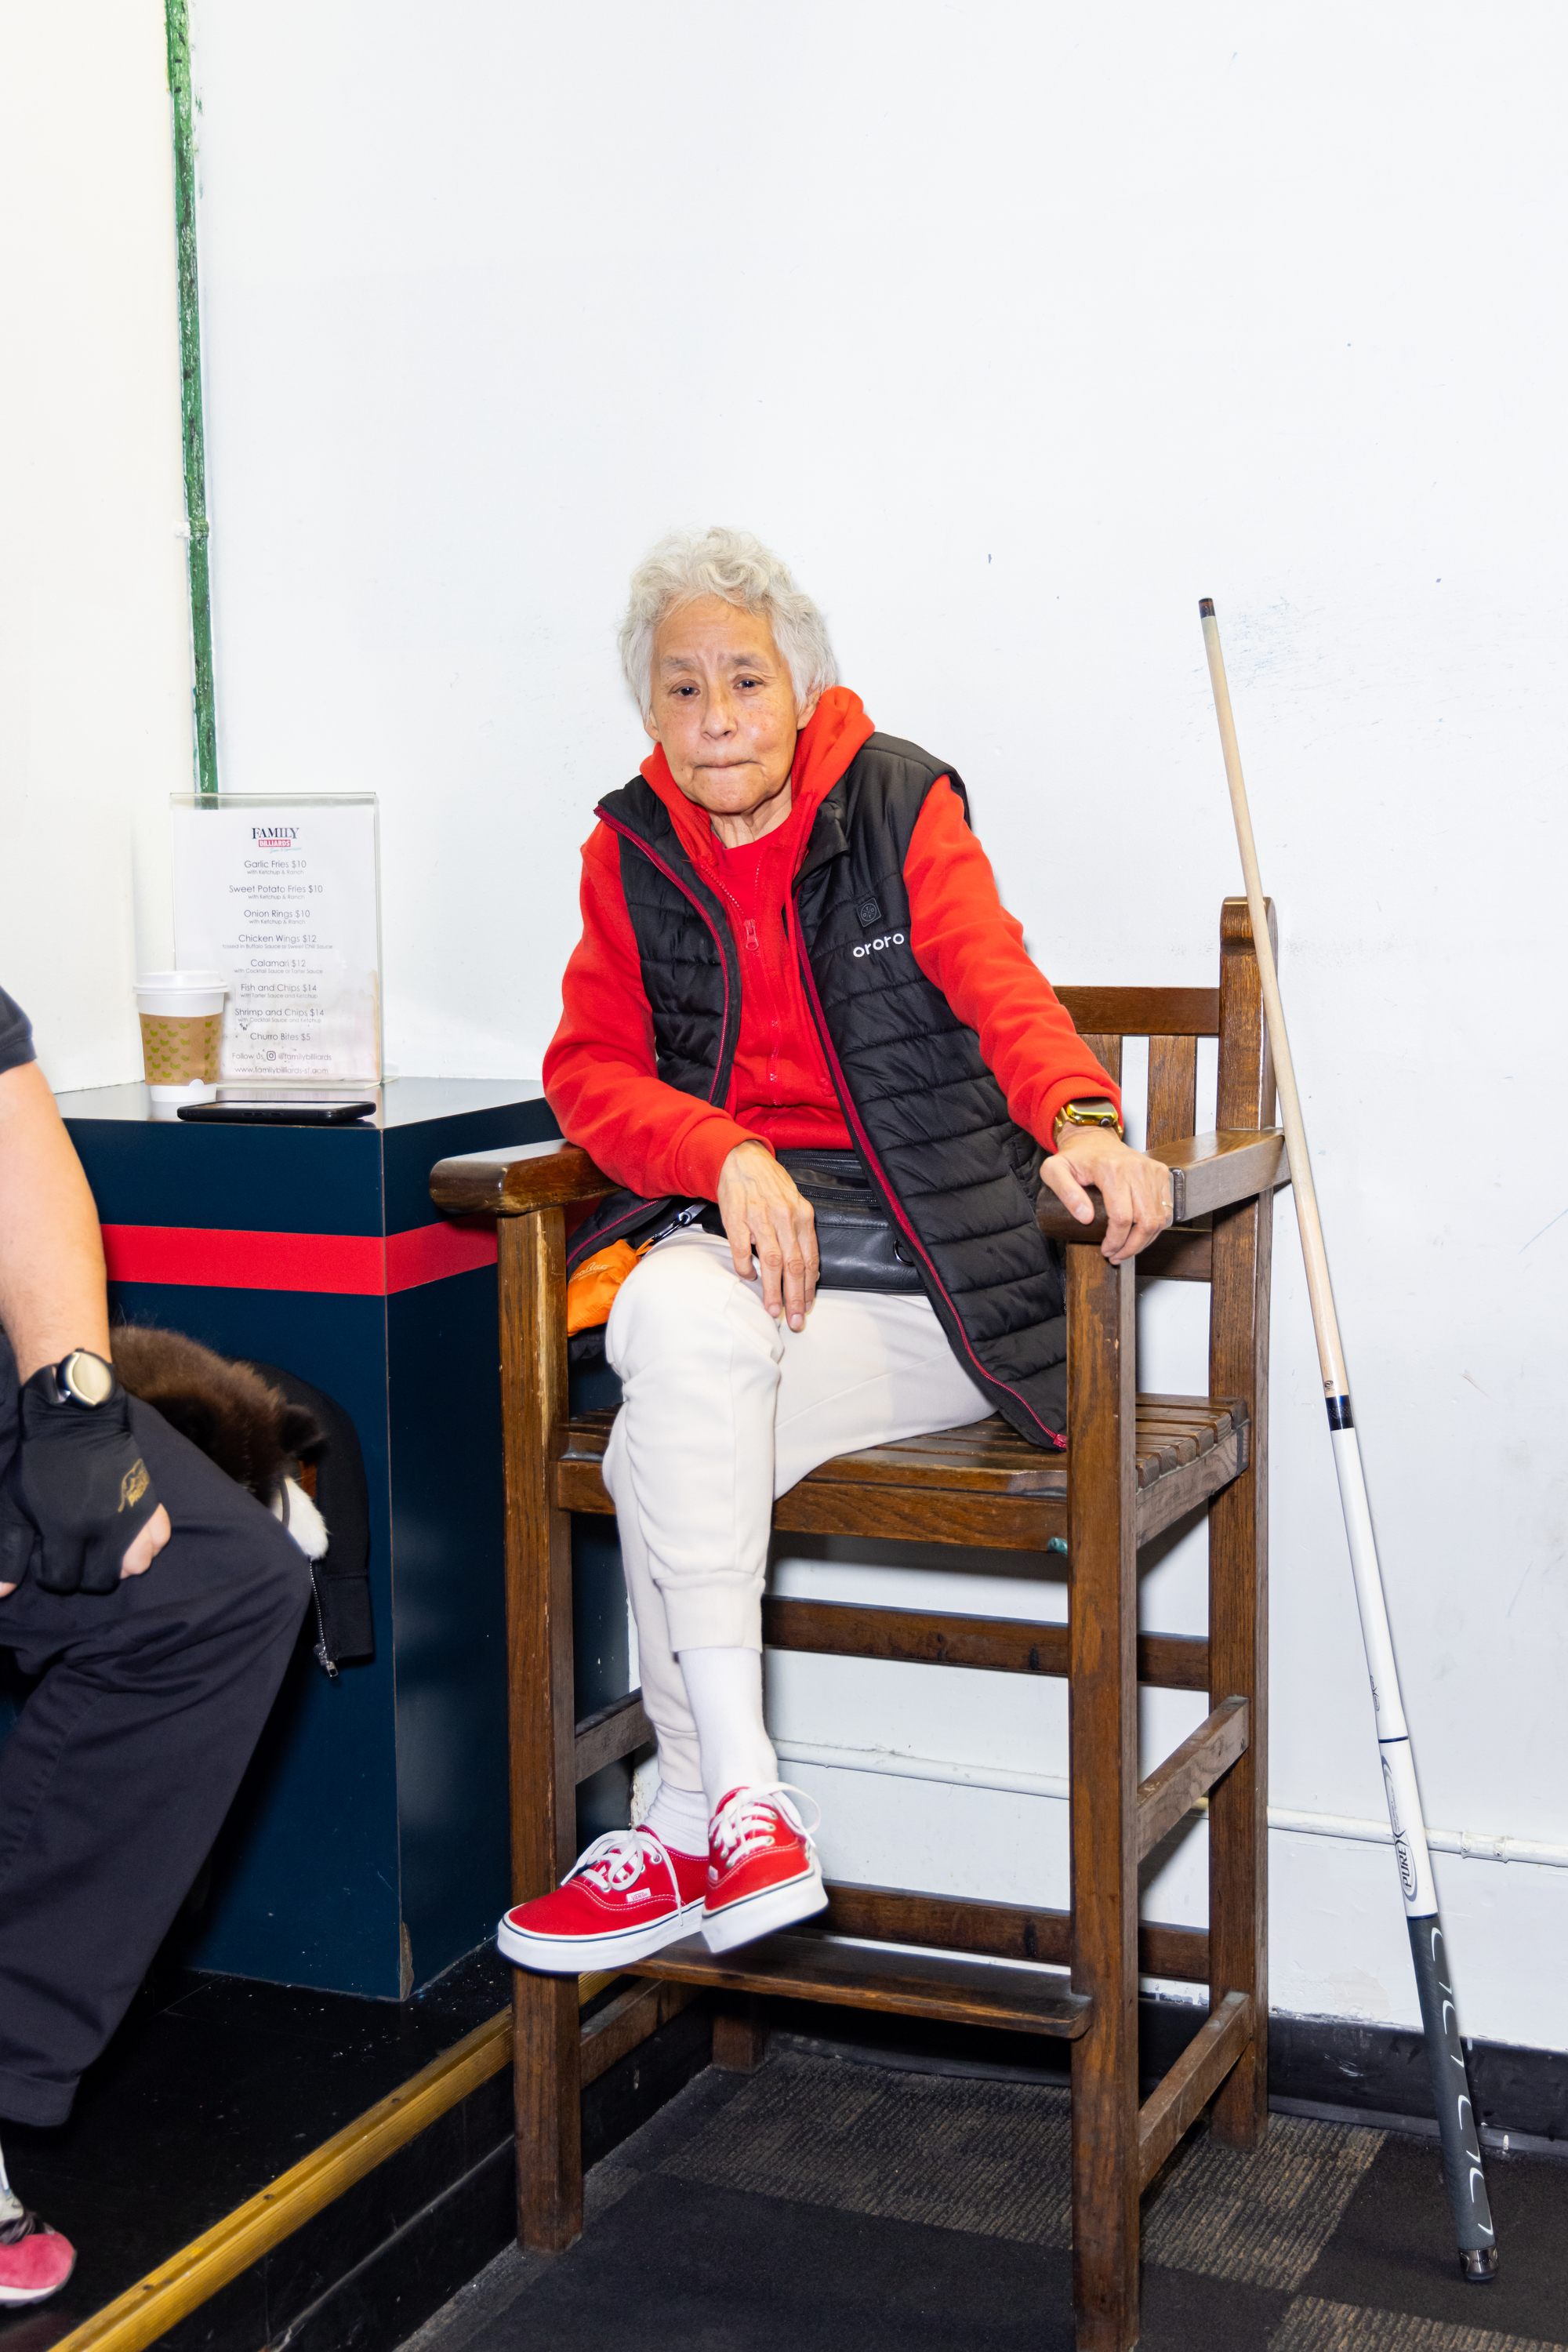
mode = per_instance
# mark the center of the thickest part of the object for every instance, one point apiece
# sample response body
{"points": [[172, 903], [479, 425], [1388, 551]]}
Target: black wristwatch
{"points": [[83, 1379]]}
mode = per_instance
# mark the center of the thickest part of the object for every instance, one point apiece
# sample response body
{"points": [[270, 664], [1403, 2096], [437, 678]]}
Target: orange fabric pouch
{"points": [[591, 1293]]}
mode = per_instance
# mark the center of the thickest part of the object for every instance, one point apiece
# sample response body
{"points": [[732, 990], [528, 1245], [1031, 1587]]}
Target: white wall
{"points": [[95, 687], [1017, 328]]}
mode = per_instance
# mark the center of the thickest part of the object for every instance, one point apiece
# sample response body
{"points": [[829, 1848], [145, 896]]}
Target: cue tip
{"points": [[1206, 608]]}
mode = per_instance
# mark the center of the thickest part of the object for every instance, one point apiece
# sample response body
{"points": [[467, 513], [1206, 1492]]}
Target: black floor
{"points": [[212, 2086], [824, 2203]]}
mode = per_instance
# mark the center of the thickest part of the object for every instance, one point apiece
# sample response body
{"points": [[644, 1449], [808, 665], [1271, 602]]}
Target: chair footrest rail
{"points": [[909, 1984]]}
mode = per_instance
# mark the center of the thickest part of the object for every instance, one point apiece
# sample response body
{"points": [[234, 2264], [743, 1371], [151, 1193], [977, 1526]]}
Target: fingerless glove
{"points": [[84, 1489]]}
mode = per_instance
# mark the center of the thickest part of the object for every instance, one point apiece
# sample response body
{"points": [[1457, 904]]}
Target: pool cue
{"points": [[1444, 2052]]}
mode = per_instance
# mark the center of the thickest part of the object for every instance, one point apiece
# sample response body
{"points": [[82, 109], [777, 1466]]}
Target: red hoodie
{"points": [[600, 1073]]}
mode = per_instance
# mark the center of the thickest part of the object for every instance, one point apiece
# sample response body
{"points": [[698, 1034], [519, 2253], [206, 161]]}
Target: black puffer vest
{"points": [[929, 1120]]}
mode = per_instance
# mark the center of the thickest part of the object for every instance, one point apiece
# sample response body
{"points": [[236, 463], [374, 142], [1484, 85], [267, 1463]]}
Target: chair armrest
{"points": [[510, 1183], [1207, 1172]]}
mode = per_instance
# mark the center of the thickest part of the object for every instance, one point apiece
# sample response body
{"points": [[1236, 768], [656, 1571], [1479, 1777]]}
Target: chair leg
{"points": [[1238, 1804], [740, 2036], [547, 2034], [1102, 1546], [1238, 1551], [547, 2093]]}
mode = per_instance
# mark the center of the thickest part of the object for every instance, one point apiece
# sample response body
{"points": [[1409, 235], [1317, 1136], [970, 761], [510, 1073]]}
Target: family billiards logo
{"points": [[274, 836]]}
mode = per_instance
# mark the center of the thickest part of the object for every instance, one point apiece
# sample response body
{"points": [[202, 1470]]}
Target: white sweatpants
{"points": [[724, 1409]]}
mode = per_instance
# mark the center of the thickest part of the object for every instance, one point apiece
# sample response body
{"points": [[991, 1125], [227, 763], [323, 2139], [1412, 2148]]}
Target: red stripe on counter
{"points": [[353, 1265], [431, 1253]]}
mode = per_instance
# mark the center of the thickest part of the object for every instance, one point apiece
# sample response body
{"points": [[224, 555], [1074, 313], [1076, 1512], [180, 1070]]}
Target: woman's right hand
{"points": [[763, 1211]]}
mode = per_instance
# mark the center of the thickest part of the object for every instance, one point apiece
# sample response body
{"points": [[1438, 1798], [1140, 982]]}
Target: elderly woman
{"points": [[795, 978]]}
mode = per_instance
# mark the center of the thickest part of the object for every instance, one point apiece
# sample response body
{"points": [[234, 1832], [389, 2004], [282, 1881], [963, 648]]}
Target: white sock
{"points": [[679, 1818], [724, 1687], [11, 2204]]}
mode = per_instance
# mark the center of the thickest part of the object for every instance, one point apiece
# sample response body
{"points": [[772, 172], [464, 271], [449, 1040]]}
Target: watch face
{"points": [[87, 1377]]}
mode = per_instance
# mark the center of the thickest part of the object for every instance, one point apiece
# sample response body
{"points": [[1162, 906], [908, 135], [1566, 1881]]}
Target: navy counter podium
{"points": [[368, 1847]]}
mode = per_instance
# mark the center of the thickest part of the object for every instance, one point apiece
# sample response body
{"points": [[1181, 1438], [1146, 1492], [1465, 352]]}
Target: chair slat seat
{"points": [[977, 1464], [906, 1984]]}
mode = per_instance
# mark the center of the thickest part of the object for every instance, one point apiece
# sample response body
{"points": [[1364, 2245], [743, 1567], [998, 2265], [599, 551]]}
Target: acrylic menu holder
{"points": [[281, 892]]}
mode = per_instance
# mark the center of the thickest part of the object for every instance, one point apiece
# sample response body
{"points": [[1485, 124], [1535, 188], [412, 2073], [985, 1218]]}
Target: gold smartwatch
{"points": [[1097, 1112]]}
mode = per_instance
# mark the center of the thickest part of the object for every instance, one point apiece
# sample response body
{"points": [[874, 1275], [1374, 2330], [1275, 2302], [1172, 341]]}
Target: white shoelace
{"points": [[617, 1861], [748, 1819]]}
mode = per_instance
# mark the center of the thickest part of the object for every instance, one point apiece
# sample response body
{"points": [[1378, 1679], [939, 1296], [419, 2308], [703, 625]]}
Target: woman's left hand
{"points": [[1135, 1189], [764, 1210]]}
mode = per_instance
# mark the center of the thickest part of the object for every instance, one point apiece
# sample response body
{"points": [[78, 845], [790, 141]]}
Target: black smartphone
{"points": [[276, 1110]]}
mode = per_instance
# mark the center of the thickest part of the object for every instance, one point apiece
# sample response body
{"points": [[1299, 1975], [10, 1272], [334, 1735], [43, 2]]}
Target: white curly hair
{"points": [[735, 565]]}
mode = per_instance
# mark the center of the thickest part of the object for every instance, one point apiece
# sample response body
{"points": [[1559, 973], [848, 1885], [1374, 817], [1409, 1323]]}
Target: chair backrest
{"points": [[1172, 1020]]}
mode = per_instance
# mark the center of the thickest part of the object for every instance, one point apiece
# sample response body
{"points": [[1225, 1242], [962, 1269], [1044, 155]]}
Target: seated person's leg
{"points": [[723, 1409], [871, 1368], [865, 1370], [125, 1759], [690, 1467]]}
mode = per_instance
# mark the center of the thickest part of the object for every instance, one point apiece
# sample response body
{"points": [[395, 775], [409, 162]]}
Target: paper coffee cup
{"points": [[182, 1030]]}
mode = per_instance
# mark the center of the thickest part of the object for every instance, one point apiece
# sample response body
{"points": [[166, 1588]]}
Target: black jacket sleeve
{"points": [[15, 1035]]}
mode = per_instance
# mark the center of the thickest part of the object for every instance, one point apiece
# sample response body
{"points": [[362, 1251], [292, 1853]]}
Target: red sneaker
{"points": [[762, 1871], [626, 1897], [35, 2261]]}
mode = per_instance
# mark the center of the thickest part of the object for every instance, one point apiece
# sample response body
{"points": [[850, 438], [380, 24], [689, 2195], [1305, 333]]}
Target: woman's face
{"points": [[725, 712]]}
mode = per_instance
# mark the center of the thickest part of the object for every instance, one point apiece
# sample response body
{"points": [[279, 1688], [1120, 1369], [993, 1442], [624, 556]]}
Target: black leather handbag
{"points": [[857, 1249]]}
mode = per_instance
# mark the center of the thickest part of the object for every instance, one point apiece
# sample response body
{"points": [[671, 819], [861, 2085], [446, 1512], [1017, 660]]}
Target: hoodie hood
{"points": [[824, 748]]}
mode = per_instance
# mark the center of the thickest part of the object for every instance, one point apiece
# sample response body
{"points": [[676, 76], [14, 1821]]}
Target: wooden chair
{"points": [[1133, 1464]]}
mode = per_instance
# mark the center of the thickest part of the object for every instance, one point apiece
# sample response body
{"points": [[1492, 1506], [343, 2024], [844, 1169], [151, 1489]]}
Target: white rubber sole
{"points": [[574, 1956], [766, 1914], [14, 2298]]}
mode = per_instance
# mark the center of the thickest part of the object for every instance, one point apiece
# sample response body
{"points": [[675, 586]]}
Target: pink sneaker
{"points": [[626, 1897], [762, 1871], [35, 2261]]}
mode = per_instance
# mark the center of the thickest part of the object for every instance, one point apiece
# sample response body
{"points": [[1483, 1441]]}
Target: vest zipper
{"points": [[676, 1224], [752, 944]]}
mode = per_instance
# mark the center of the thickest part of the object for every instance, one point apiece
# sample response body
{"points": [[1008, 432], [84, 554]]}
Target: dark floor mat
{"points": [[821, 2203], [989, 2158], [1393, 2250], [1313, 2325], [678, 2266], [994, 2158], [1259, 2215]]}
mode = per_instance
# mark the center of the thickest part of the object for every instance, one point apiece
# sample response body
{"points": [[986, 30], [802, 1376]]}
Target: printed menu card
{"points": [[281, 894]]}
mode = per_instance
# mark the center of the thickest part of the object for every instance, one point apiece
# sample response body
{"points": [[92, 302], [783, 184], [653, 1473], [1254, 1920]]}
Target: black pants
{"points": [[127, 1755]]}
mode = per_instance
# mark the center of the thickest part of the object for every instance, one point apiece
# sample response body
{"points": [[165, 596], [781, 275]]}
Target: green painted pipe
{"points": [[177, 30]]}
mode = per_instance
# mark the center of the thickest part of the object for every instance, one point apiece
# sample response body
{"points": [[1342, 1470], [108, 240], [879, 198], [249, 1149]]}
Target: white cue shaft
{"points": [[1417, 1881]]}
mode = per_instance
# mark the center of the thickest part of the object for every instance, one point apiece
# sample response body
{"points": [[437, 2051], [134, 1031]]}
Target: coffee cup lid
{"points": [[161, 984]]}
